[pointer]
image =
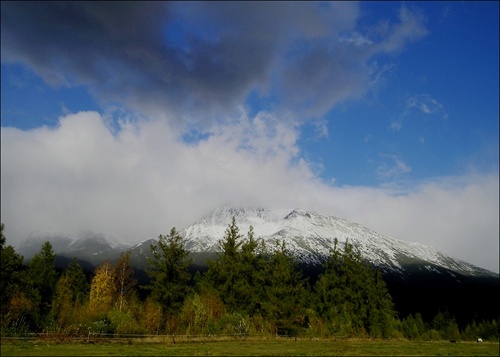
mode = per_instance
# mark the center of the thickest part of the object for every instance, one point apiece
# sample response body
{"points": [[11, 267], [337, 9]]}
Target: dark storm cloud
{"points": [[195, 59], [182, 56]]}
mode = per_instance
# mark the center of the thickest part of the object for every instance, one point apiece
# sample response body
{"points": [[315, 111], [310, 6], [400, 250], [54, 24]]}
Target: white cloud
{"points": [[396, 125], [392, 169], [425, 104], [143, 180]]}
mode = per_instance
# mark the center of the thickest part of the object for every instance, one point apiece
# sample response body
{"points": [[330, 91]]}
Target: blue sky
{"points": [[385, 113]]}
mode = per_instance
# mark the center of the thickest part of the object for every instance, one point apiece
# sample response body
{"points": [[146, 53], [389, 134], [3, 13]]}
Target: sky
{"points": [[129, 118]]}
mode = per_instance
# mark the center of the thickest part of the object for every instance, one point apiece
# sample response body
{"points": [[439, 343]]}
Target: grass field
{"points": [[249, 347]]}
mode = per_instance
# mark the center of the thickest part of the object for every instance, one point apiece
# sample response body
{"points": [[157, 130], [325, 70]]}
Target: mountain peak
{"points": [[311, 236]]}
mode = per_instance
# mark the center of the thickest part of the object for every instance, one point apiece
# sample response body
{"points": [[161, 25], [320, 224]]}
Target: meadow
{"points": [[246, 347]]}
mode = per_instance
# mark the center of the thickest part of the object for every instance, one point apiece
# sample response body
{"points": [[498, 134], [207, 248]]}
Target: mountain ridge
{"points": [[310, 236], [419, 278]]}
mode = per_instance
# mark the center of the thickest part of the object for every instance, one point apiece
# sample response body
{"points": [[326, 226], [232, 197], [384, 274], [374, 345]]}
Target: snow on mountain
{"points": [[310, 236]]}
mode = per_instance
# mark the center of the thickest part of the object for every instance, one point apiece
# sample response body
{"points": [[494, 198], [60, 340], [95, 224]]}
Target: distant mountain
{"points": [[90, 247], [419, 278], [310, 237]]}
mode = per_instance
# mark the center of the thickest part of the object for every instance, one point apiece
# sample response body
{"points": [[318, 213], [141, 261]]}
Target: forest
{"points": [[247, 289]]}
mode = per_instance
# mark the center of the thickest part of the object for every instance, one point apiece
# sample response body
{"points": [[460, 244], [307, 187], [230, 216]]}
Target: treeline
{"points": [[247, 289]]}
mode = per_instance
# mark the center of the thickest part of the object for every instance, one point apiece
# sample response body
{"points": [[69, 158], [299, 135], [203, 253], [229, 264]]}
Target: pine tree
{"points": [[168, 270], [285, 289], [224, 274], [78, 282], [42, 280], [12, 276], [352, 297], [252, 276]]}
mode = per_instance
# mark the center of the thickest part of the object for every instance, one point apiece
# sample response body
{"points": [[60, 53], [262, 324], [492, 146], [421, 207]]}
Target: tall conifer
{"points": [[169, 273]]}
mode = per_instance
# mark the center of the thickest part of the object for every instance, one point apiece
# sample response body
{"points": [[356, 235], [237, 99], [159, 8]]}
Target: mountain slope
{"points": [[310, 236], [91, 247], [419, 278]]}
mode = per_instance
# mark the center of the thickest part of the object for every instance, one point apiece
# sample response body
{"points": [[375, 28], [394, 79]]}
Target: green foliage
{"points": [[446, 325], [285, 295], [12, 277], [245, 291], [234, 324], [2, 236], [123, 322], [168, 270], [352, 297], [252, 278], [78, 282], [225, 273], [431, 335], [40, 285], [486, 330]]}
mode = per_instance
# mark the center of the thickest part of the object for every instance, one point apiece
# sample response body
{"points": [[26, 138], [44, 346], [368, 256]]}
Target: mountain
{"points": [[310, 237], [419, 278], [90, 247]]}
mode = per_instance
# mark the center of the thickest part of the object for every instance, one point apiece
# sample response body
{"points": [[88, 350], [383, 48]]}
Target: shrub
{"points": [[123, 323]]}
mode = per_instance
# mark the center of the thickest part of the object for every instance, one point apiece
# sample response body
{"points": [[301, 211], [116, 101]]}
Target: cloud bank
{"points": [[139, 182]]}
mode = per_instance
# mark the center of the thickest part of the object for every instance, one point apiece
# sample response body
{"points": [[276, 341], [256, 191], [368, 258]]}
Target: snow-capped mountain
{"points": [[310, 236]]}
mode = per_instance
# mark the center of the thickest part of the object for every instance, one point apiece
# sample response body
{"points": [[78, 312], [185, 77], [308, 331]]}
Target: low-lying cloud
{"points": [[141, 180]]}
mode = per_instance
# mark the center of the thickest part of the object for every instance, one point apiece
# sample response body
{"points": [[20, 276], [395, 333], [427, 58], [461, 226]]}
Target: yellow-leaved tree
{"points": [[102, 288]]}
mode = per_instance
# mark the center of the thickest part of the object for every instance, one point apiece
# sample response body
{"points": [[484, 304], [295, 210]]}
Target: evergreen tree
{"points": [[250, 286], [224, 274], [42, 280], [446, 325], [352, 297], [12, 277], [78, 282], [168, 270], [285, 289]]}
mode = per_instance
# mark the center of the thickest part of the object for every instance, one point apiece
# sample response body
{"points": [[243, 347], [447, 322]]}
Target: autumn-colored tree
{"points": [[63, 300], [152, 317], [71, 291], [102, 288], [124, 281]]}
